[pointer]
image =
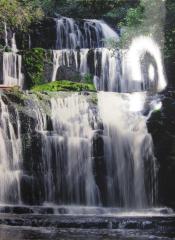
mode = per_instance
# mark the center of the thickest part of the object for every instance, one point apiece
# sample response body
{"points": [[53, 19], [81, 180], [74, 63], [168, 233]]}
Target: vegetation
{"points": [[87, 78], [19, 14], [91, 8], [170, 40], [135, 17], [34, 65], [64, 85]]}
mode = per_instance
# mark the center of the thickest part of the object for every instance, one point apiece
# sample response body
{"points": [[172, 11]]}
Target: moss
{"points": [[87, 78], [64, 85], [94, 99], [34, 66], [15, 95]]}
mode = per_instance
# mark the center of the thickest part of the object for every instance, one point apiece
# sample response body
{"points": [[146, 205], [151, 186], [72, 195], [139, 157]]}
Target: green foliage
{"points": [[64, 85], [19, 14], [89, 8], [145, 18], [170, 28], [87, 78], [34, 65], [134, 16]]}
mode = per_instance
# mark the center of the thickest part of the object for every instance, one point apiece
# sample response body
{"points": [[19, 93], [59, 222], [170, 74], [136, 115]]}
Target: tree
{"points": [[19, 14]]}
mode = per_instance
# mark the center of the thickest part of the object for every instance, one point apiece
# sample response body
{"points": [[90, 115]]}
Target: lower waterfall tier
{"points": [[75, 149]]}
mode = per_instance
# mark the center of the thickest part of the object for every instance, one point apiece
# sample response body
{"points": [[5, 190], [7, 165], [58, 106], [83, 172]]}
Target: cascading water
{"points": [[12, 64], [144, 77], [5, 34], [86, 34], [10, 156], [67, 149], [128, 150], [135, 69], [70, 160]]}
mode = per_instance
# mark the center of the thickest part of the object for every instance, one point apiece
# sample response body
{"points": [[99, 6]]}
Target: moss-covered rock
{"points": [[34, 66], [65, 86]]}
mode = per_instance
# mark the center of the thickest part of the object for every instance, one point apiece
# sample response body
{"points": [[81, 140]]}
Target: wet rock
{"points": [[67, 73], [162, 127]]}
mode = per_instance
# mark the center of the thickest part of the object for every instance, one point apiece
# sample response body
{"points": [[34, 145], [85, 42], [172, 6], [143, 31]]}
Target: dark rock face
{"points": [[48, 71], [162, 127], [41, 34], [68, 73]]}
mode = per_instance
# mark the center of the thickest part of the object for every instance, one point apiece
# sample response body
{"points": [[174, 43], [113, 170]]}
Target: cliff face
{"points": [[162, 127]]}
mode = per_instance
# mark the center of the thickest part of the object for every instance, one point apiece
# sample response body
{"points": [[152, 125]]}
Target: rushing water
{"points": [[12, 64], [10, 155], [86, 34], [128, 148], [138, 68], [83, 154], [68, 148], [75, 170]]}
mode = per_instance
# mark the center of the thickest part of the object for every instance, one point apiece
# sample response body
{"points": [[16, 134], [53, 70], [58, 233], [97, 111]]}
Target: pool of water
{"points": [[78, 223]]}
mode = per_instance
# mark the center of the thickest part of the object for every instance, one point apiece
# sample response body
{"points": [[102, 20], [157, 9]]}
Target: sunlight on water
{"points": [[139, 47]]}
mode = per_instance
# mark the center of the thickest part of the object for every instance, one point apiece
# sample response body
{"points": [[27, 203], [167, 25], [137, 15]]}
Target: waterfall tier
{"points": [[113, 70], [12, 69], [89, 33], [77, 152], [10, 154], [81, 48]]}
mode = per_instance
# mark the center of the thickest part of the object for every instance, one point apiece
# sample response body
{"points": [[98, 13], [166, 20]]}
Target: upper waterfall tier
{"points": [[89, 33], [114, 70]]}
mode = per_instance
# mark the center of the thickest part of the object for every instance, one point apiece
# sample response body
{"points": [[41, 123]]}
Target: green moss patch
{"points": [[65, 86], [34, 66]]}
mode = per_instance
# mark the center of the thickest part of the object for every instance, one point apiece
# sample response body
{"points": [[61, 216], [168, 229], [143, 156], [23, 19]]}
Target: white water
{"points": [[6, 34], [69, 169], [12, 64], [133, 64], [13, 44], [86, 34], [70, 58], [10, 156], [67, 150], [128, 148], [138, 68]]}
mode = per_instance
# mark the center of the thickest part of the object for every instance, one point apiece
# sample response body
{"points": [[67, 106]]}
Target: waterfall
{"points": [[94, 152], [10, 155], [116, 71], [85, 34], [12, 64], [5, 34], [67, 150], [128, 150], [13, 44], [82, 47], [74, 168], [150, 72]]}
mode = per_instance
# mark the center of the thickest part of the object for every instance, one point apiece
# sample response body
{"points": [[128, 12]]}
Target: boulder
{"points": [[67, 73]]}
